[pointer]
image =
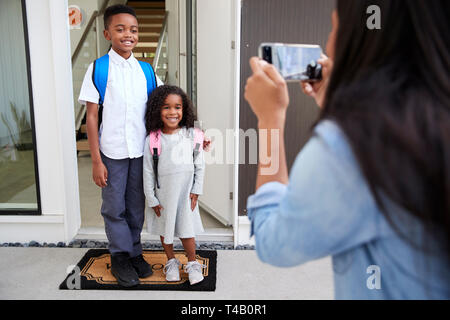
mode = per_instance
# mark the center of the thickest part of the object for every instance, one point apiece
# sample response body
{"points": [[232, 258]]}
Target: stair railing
{"points": [[160, 61], [78, 66]]}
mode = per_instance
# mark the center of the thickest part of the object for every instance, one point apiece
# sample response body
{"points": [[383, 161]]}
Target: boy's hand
{"points": [[194, 198], [100, 174], [206, 143], [157, 210]]}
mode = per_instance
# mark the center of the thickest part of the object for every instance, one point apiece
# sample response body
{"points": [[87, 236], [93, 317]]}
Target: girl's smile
{"points": [[172, 113]]}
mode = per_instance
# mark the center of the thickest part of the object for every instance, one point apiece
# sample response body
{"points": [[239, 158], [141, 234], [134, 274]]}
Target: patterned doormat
{"points": [[94, 272]]}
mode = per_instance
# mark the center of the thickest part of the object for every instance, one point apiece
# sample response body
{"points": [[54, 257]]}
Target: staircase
{"points": [[150, 16]]}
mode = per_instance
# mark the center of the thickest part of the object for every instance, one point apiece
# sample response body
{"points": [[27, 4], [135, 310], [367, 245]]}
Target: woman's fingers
{"points": [[255, 64], [273, 74], [327, 65]]}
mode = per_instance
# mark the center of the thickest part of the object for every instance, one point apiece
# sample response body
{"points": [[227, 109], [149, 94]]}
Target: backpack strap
{"points": [[100, 76], [100, 80], [155, 149], [198, 141], [150, 76]]}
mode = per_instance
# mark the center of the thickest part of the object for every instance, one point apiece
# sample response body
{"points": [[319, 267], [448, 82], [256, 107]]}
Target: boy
{"points": [[117, 146]]}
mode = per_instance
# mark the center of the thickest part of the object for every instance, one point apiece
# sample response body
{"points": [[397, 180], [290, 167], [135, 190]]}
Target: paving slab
{"points": [[35, 273]]}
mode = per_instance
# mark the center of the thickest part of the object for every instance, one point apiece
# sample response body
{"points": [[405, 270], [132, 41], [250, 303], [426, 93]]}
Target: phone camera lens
{"points": [[267, 54]]}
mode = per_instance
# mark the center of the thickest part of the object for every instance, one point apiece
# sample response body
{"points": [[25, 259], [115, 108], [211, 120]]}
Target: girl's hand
{"points": [[157, 210], [99, 174], [266, 92], [317, 90], [206, 143], [194, 198]]}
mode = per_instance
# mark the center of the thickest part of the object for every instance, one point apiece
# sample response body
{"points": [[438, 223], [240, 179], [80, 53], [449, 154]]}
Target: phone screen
{"points": [[291, 60]]}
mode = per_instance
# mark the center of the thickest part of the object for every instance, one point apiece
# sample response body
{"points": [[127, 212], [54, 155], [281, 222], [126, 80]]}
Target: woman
{"points": [[372, 186]]}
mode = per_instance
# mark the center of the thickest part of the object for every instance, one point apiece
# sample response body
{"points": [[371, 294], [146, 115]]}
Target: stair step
{"points": [[149, 60], [148, 39], [150, 29], [159, 12], [145, 49], [142, 44], [151, 20], [146, 4], [82, 145]]}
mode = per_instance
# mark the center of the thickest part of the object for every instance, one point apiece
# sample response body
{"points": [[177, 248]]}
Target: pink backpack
{"points": [[155, 148]]}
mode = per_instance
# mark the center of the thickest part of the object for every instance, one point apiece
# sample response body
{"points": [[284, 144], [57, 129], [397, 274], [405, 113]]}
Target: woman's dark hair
{"points": [[116, 9], [157, 99], [390, 93]]}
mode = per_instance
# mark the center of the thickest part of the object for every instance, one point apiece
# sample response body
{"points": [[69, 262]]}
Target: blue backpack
{"points": [[100, 79]]}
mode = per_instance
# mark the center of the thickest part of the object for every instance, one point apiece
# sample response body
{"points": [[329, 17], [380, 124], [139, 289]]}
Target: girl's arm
{"points": [[149, 177]]}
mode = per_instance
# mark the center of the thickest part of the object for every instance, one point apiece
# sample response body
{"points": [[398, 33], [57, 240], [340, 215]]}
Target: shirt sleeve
{"points": [[149, 177], [325, 209], [88, 92]]}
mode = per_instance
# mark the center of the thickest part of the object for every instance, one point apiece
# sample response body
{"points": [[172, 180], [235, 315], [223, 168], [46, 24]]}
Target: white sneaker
{"points": [[172, 271], [195, 272]]}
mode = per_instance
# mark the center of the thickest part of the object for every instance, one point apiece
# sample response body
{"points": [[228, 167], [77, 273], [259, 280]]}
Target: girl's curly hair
{"points": [[156, 100]]}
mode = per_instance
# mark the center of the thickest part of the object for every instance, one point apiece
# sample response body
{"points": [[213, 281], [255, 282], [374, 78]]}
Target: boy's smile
{"points": [[172, 113], [123, 33]]}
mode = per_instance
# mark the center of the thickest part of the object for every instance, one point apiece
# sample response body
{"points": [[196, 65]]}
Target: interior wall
{"points": [[288, 21]]}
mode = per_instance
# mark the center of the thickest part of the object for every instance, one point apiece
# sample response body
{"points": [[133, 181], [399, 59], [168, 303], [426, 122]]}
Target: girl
{"points": [[174, 190]]}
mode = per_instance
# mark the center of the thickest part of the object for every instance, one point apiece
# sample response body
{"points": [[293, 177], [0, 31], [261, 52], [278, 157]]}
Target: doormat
{"points": [[94, 271]]}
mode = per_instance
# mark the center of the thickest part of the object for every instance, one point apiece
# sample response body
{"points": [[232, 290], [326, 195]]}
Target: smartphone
{"points": [[295, 62]]}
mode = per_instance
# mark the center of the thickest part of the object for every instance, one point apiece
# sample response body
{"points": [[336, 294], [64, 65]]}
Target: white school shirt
{"points": [[122, 132]]}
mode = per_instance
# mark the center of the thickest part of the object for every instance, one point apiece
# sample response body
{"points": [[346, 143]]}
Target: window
{"points": [[19, 185]]}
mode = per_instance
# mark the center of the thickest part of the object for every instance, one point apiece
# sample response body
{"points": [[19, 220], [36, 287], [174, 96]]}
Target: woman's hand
{"points": [[194, 198], [157, 210], [317, 90], [266, 92], [99, 174]]}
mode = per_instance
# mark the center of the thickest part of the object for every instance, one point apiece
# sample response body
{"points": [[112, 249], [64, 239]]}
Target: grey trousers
{"points": [[124, 205]]}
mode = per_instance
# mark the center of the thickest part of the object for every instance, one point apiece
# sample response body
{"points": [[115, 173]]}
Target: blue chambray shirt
{"points": [[328, 209]]}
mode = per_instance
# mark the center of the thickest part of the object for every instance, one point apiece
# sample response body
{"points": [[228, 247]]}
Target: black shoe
{"points": [[141, 266], [123, 271]]}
